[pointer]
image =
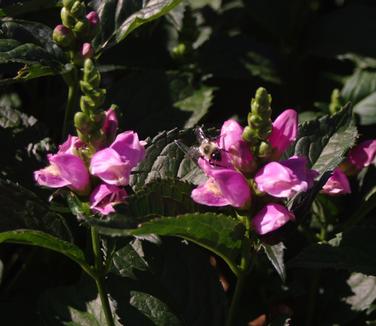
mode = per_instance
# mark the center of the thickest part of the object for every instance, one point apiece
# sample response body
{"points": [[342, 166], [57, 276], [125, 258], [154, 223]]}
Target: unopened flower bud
{"points": [[82, 29], [93, 18], [265, 149], [87, 51], [68, 3], [66, 17], [63, 36], [78, 10], [82, 122]]}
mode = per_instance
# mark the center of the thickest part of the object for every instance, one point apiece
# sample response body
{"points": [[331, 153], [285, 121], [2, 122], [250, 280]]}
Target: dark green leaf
{"points": [[165, 160], [153, 308], [360, 85], [22, 209], [275, 255], [366, 110], [326, 140], [352, 250], [17, 8], [76, 305], [364, 289], [44, 240], [119, 18]]}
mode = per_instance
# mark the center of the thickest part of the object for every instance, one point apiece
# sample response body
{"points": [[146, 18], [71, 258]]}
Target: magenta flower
{"points": [[110, 124], [64, 170], [236, 151], [363, 154], [93, 18], [104, 197], [224, 187], [285, 178], [284, 131], [337, 184], [271, 217], [87, 51], [114, 164], [70, 146]]}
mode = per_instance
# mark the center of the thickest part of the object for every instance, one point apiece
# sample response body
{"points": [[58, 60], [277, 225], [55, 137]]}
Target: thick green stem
{"points": [[73, 86], [99, 277]]}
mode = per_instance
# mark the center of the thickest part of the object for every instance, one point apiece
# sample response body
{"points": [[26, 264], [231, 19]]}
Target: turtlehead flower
{"points": [[363, 154], [224, 187], [271, 217], [236, 151], [114, 164], [337, 184], [65, 169], [284, 132], [285, 178], [104, 197]]}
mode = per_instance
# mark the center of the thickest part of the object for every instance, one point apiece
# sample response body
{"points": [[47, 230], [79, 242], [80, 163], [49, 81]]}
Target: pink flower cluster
{"points": [[237, 178], [112, 167], [227, 183]]}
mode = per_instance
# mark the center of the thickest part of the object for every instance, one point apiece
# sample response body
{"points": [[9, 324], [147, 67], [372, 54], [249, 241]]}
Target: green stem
{"points": [[242, 273], [99, 277], [71, 80]]}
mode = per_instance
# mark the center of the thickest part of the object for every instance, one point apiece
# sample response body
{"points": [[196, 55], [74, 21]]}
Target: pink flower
{"points": [[271, 217], [363, 154], [284, 131], [224, 187], [110, 124], [337, 184], [114, 164], [64, 170], [104, 197], [70, 146], [87, 50], [285, 178], [236, 150]]}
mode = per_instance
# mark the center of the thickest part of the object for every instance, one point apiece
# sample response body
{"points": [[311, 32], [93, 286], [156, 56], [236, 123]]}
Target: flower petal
{"points": [[285, 178], [209, 194], [271, 217], [129, 147], [50, 177], [337, 184], [110, 124], [72, 169], [284, 131], [363, 154], [109, 166], [104, 197], [231, 134]]}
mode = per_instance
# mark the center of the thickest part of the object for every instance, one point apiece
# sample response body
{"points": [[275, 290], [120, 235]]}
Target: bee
{"points": [[207, 149]]}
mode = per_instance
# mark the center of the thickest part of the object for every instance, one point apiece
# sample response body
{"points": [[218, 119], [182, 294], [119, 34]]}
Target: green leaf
{"points": [[31, 44], [198, 103], [275, 255], [366, 110], [119, 18], [17, 8], [359, 85], [22, 209], [352, 250], [364, 289], [325, 141], [75, 305], [44, 240], [153, 308], [165, 160]]}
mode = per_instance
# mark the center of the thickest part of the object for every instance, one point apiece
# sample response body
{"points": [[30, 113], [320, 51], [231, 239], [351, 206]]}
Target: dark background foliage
{"points": [[201, 63]]}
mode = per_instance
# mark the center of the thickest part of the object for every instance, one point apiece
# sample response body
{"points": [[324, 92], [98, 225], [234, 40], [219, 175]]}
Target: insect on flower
{"points": [[208, 148]]}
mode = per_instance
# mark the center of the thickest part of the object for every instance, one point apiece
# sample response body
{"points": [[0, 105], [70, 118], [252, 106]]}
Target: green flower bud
{"points": [[82, 29], [91, 74], [335, 101], [78, 10], [264, 150], [63, 36], [83, 123], [68, 3], [67, 19], [179, 51]]}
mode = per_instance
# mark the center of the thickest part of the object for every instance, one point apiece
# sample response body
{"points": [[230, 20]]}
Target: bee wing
{"points": [[200, 135], [190, 152]]}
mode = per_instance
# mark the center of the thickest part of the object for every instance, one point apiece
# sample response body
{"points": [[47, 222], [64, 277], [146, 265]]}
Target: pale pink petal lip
{"points": [[270, 218], [337, 184], [284, 131], [46, 177], [209, 194]]}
